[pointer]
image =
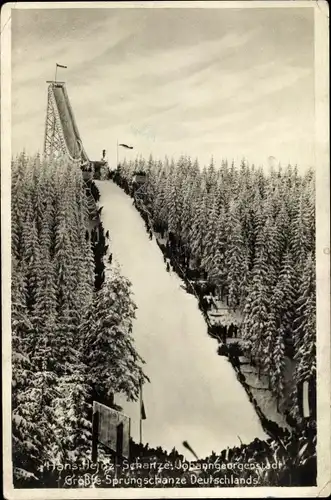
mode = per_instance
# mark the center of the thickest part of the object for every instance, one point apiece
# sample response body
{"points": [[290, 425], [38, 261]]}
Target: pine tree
{"points": [[256, 309], [211, 225], [198, 229], [159, 204], [300, 240], [112, 361], [219, 257], [269, 338], [285, 296], [236, 259], [186, 220], [277, 374], [175, 205], [210, 176], [305, 324]]}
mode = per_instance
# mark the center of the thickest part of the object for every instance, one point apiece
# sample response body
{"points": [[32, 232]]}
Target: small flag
{"points": [[126, 146], [142, 411], [61, 66]]}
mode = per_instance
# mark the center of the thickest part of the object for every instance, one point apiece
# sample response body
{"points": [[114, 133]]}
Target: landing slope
{"points": [[194, 394]]}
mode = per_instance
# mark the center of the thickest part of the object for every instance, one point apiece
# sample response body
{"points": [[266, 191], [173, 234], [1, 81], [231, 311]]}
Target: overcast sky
{"points": [[225, 82]]}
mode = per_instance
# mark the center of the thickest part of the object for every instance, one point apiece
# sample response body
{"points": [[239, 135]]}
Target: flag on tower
{"points": [[61, 66], [126, 146]]}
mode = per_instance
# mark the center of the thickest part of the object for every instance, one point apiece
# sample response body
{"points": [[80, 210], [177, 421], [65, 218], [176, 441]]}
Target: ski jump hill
{"points": [[62, 137]]}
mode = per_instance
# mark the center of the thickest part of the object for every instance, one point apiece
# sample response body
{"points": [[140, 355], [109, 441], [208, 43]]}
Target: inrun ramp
{"points": [[62, 137]]}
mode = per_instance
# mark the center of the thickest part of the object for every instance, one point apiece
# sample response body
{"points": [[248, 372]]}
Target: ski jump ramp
{"points": [[61, 132], [62, 137]]}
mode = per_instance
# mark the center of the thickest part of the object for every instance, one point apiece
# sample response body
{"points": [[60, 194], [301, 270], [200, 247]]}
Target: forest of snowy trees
{"points": [[71, 335], [251, 232]]}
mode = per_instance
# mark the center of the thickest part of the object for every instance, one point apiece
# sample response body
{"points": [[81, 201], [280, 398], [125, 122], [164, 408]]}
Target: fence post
{"points": [[119, 441], [95, 432]]}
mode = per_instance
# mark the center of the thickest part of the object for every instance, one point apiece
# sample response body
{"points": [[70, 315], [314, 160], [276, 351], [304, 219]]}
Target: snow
{"points": [[194, 394], [264, 397]]}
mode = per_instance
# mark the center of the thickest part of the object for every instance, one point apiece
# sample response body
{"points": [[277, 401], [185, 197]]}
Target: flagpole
{"points": [[55, 71], [141, 406], [117, 154]]}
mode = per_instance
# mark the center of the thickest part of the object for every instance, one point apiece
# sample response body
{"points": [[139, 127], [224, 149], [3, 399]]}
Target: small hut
{"points": [[139, 178]]}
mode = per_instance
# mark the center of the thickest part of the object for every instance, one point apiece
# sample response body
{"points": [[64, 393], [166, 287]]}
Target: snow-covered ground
{"points": [[194, 394], [264, 397]]}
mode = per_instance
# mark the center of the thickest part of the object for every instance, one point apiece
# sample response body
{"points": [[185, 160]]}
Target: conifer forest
{"points": [[239, 234], [71, 336]]}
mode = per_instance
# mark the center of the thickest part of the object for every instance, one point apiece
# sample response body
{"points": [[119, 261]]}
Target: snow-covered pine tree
{"points": [[159, 204], [169, 192], [175, 204], [300, 237], [216, 266], [285, 296], [256, 308], [270, 236], [236, 258], [198, 229], [282, 223], [31, 259], [114, 365], [211, 225], [217, 271], [186, 218], [268, 339], [211, 176], [277, 374], [305, 328]]}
